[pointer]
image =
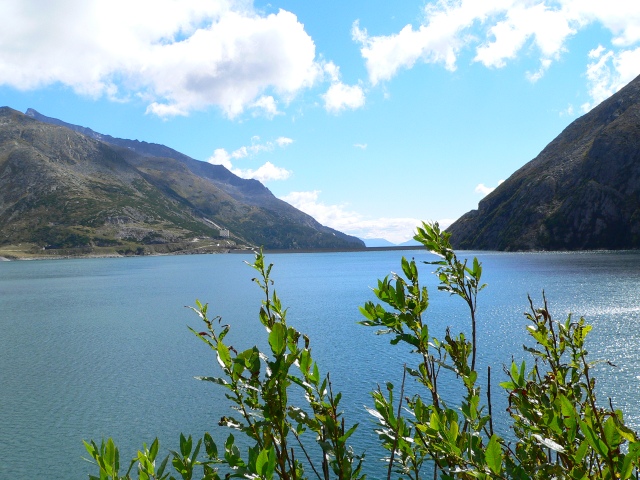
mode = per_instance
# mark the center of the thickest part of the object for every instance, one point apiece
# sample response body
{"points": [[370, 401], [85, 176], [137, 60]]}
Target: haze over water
{"points": [[99, 347]]}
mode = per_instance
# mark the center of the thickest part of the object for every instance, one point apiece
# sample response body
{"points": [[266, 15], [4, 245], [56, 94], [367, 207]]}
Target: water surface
{"points": [[93, 348]]}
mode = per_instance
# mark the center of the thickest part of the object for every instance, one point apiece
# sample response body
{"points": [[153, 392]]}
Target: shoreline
{"points": [[18, 257], [240, 251]]}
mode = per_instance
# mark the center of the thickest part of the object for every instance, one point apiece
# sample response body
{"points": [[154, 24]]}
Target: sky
{"points": [[371, 116]]}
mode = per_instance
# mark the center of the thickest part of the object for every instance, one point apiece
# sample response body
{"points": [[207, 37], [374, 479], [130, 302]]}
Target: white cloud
{"points": [[181, 55], [283, 141], [438, 39], [361, 146], [620, 17], [484, 190], [533, 77], [340, 217], [267, 106], [596, 52], [221, 157], [265, 173], [546, 26], [608, 72], [340, 96], [498, 31]]}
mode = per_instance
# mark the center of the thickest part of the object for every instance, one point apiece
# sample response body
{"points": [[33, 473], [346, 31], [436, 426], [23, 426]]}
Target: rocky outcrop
{"points": [[581, 192]]}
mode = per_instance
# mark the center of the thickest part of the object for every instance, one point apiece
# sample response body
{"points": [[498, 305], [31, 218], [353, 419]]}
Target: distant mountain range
{"points": [[581, 192], [67, 188]]}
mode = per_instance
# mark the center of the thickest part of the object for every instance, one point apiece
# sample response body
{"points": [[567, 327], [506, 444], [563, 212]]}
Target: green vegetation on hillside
{"points": [[67, 188], [558, 429]]}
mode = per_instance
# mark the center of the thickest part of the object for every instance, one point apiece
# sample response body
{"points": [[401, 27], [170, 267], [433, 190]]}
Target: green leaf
{"points": [[224, 356], [348, 433], [630, 460], [611, 434], [210, 446], [262, 462], [592, 438], [185, 445], [153, 452], [278, 338], [493, 454]]}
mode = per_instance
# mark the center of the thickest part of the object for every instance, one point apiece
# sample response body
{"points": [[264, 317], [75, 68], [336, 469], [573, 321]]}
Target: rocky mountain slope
{"points": [[64, 187], [581, 192]]}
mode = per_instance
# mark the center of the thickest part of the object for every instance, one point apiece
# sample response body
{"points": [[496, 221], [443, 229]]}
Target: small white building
{"points": [[224, 233]]}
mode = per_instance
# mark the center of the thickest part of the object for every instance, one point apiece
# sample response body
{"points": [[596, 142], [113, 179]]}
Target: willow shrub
{"points": [[558, 428]]}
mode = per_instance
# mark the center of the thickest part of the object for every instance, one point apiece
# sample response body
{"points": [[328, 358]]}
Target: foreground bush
{"points": [[558, 430]]}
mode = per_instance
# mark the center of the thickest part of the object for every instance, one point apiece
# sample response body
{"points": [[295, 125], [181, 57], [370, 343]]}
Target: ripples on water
{"points": [[99, 347]]}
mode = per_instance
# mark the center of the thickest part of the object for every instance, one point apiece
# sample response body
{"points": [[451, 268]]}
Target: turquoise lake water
{"points": [[99, 347]]}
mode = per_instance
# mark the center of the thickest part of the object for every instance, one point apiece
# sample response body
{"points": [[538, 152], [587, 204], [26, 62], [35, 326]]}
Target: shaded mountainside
{"points": [[65, 187], [581, 192]]}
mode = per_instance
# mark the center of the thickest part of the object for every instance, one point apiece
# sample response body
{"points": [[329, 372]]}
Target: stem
{"points": [[395, 442], [591, 397], [489, 400], [334, 435], [293, 460], [433, 377], [325, 461], [306, 454], [472, 308]]}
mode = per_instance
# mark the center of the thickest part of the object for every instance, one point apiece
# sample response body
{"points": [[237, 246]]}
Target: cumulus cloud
{"points": [[498, 31], [546, 26], [265, 173], [340, 217], [361, 146], [341, 96], [179, 55]]}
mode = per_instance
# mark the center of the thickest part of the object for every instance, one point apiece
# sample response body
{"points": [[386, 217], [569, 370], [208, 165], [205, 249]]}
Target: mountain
{"points": [[410, 243], [65, 187], [581, 192], [377, 242]]}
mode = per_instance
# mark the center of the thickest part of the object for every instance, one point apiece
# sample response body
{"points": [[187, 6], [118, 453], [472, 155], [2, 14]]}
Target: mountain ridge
{"points": [[67, 187]]}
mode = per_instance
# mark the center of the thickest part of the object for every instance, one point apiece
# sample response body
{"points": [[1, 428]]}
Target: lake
{"points": [[91, 348]]}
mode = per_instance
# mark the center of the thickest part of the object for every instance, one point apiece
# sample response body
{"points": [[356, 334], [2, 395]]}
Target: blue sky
{"points": [[369, 115]]}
